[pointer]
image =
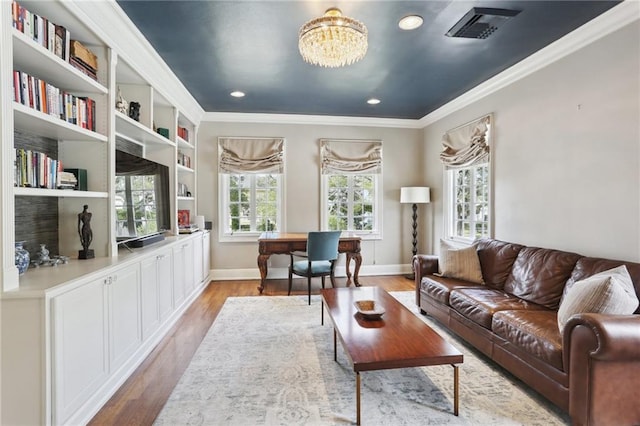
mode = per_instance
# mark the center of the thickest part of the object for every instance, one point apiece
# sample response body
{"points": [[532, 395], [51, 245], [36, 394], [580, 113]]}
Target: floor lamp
{"points": [[414, 195]]}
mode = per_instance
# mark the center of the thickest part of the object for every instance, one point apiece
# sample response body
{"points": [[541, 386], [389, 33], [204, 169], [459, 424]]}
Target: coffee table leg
{"points": [[456, 390], [357, 397]]}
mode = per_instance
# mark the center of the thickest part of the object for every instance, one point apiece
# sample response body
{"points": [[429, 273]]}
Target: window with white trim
{"points": [[467, 181], [351, 187], [251, 187], [469, 209]]}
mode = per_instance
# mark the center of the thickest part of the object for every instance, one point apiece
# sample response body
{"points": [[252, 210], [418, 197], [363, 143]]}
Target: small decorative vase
{"points": [[43, 254], [21, 257]]}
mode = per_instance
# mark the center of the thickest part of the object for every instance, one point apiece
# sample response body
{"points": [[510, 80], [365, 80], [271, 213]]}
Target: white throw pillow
{"points": [[607, 292], [462, 263]]}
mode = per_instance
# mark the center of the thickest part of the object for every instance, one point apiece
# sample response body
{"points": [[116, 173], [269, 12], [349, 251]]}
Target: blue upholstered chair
{"points": [[320, 258]]}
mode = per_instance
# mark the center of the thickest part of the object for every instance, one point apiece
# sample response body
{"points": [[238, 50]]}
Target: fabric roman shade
{"points": [[246, 155], [350, 156], [466, 145]]}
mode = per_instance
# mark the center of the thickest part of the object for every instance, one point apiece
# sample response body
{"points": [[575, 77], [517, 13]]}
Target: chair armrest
{"points": [[423, 264], [602, 356]]}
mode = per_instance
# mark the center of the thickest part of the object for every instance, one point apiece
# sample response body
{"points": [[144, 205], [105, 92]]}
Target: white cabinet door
{"points": [[197, 260], [178, 276], [189, 273], [150, 306], [206, 254], [79, 347], [164, 269], [124, 315]]}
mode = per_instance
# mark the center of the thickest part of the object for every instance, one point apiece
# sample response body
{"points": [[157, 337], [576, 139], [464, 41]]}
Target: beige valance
{"points": [[350, 156], [466, 145], [247, 155]]}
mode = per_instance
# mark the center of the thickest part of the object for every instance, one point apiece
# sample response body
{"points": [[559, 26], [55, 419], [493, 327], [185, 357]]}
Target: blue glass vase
{"points": [[21, 257]]}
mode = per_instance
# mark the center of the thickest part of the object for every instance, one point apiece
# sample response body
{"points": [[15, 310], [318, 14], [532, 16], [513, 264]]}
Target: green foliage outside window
{"points": [[253, 202], [471, 190], [351, 201]]}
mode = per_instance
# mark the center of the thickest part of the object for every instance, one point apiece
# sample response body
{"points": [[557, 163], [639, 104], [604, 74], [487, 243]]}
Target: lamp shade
{"points": [[415, 194]]}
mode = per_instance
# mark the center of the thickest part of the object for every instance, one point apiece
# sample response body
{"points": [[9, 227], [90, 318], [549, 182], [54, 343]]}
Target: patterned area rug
{"points": [[268, 361]]}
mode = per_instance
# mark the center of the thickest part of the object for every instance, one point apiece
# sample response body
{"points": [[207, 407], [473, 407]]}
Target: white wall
{"points": [[566, 152], [403, 153]]}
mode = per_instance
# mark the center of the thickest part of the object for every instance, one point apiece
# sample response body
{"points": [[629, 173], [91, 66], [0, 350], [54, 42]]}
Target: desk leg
{"points": [[262, 266], [357, 257]]}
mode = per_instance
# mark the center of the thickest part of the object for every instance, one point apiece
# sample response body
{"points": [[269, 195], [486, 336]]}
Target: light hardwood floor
{"points": [[142, 396]]}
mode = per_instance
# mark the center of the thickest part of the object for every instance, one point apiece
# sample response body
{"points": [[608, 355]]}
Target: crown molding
{"points": [[319, 120], [601, 26]]}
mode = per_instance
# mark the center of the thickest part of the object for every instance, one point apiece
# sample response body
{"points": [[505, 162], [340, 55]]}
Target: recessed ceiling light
{"points": [[410, 22], [373, 101], [237, 94]]}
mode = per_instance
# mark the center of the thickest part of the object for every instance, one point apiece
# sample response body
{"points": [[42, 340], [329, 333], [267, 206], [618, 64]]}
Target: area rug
{"points": [[267, 361]]}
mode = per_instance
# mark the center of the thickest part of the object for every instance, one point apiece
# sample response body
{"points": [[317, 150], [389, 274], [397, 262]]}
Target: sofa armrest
{"points": [[423, 264], [602, 356]]}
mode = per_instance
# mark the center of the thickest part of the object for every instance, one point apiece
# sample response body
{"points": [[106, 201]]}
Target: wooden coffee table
{"points": [[397, 340]]}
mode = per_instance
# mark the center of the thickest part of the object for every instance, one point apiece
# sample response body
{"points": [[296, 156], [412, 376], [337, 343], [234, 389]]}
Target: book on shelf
{"points": [[48, 99], [183, 133], [36, 169], [41, 30]]}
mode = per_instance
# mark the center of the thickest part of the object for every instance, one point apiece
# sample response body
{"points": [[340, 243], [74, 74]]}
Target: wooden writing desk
{"points": [[285, 242]]}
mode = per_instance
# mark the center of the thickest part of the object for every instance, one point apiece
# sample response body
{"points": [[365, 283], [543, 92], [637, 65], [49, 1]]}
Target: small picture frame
{"points": [[183, 218]]}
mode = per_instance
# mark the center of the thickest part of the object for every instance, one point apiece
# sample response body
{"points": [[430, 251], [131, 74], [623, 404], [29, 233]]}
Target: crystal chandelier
{"points": [[332, 40]]}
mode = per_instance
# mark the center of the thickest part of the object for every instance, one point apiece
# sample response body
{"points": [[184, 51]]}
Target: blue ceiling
{"points": [[216, 47]]}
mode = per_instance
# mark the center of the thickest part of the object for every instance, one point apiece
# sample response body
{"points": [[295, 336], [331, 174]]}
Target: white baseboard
{"points": [[283, 273]]}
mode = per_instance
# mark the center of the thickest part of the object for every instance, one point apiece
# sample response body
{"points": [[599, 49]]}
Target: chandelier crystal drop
{"points": [[333, 40]]}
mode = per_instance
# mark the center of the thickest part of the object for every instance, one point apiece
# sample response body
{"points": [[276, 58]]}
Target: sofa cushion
{"points": [[496, 260], [479, 304], [439, 288], [608, 292], [461, 263], [588, 266], [539, 275], [533, 331]]}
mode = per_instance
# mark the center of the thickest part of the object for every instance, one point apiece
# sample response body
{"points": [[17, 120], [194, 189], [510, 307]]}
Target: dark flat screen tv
{"points": [[142, 198]]}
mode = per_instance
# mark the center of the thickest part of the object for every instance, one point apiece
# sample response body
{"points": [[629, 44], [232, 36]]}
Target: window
{"points": [[139, 192], [470, 202], [351, 187], [351, 203], [251, 187], [468, 181], [253, 202]]}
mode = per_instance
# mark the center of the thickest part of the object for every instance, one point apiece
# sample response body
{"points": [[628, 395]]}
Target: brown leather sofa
{"points": [[592, 370]]}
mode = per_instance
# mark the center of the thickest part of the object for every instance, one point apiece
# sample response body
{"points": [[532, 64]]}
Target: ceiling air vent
{"points": [[481, 22]]}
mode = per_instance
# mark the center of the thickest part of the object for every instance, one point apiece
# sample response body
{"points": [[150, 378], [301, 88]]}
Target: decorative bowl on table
{"points": [[369, 309]]}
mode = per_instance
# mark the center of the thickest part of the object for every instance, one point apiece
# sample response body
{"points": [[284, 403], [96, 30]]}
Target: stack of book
{"points": [[83, 59], [188, 229], [67, 180]]}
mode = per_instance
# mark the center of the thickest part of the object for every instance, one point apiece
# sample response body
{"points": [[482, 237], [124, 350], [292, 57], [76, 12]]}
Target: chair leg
{"points": [[290, 281], [322, 281], [333, 280], [309, 287]]}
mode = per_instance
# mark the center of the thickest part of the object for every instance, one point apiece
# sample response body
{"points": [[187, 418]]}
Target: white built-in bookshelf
{"points": [[113, 309]]}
